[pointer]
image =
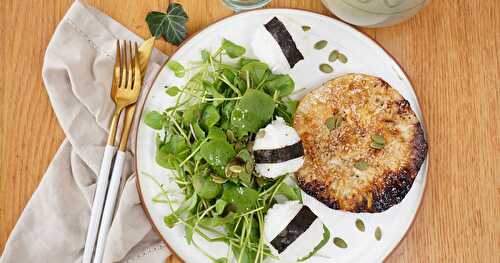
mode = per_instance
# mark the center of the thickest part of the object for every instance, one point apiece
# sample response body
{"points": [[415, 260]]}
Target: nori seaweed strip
{"points": [[276, 28], [280, 155], [299, 224]]}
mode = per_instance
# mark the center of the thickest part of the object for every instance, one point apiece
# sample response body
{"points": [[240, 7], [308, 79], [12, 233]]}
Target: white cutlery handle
{"points": [[98, 203], [109, 206]]}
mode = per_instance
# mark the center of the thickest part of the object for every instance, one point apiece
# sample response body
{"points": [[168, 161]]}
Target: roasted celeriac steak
{"points": [[363, 144]]}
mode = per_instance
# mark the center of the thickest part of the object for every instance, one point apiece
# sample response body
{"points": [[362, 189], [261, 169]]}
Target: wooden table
{"points": [[450, 50]]}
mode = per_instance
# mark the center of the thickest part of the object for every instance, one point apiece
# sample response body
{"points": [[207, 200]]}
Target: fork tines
{"points": [[126, 62]]}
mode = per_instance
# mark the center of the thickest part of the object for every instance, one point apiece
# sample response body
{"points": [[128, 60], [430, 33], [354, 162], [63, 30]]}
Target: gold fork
{"points": [[126, 95], [125, 90]]}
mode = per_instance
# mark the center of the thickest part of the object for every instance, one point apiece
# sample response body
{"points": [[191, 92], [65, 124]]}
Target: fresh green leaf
{"points": [[289, 192], [248, 256], [257, 71], [245, 155], [177, 68], [193, 113], [217, 220], [279, 83], [298, 193], [205, 187], [240, 84], [170, 25], [219, 206], [154, 120], [291, 106], [188, 231], [172, 91], [221, 260], [245, 178], [205, 55], [198, 131], [253, 111], [166, 160], [242, 199], [212, 91], [172, 152], [186, 206], [217, 153], [210, 116], [216, 133], [158, 140], [228, 74], [321, 244], [232, 50], [245, 60], [227, 109]]}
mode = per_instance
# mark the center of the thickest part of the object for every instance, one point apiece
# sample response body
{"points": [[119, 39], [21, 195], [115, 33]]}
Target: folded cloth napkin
{"points": [[77, 73]]}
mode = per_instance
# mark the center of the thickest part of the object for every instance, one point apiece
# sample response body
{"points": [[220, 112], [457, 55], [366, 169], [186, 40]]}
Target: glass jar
{"points": [[241, 5], [374, 13]]}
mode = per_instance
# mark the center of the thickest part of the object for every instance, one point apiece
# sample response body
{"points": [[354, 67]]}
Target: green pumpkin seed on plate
{"points": [[342, 58], [306, 28], [360, 225], [334, 55], [339, 242], [378, 233], [320, 44], [325, 68]]}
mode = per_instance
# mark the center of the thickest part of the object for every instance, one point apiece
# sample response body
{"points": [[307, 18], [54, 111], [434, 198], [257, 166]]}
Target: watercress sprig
{"points": [[206, 138]]}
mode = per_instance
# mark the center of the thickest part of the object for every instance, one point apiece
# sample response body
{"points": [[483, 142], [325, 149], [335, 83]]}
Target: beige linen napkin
{"points": [[77, 74]]}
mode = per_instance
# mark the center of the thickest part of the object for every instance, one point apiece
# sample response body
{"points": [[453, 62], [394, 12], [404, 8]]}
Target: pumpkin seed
{"points": [[361, 165], [320, 44], [261, 134], [338, 122], [238, 146], [378, 139], [378, 233], [360, 225], [249, 167], [236, 169], [306, 28], [334, 55], [325, 68], [230, 136], [377, 146], [342, 58], [339, 242], [330, 123], [218, 180]]}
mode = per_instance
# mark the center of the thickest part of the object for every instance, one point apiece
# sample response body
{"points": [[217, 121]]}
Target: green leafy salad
{"points": [[206, 138]]}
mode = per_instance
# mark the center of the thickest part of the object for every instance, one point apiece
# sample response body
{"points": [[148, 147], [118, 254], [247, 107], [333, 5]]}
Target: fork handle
{"points": [[98, 203], [109, 206]]}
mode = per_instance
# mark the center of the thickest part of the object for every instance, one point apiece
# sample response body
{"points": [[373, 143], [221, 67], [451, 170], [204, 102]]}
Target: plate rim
{"points": [[260, 10]]}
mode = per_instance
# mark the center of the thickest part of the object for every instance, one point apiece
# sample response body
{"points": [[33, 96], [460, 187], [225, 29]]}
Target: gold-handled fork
{"points": [[125, 90], [128, 97]]}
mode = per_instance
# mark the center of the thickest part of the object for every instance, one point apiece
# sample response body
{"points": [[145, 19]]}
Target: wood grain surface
{"points": [[450, 51]]}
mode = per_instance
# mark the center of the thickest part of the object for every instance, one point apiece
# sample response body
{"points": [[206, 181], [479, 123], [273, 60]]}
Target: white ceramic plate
{"points": [[365, 56]]}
